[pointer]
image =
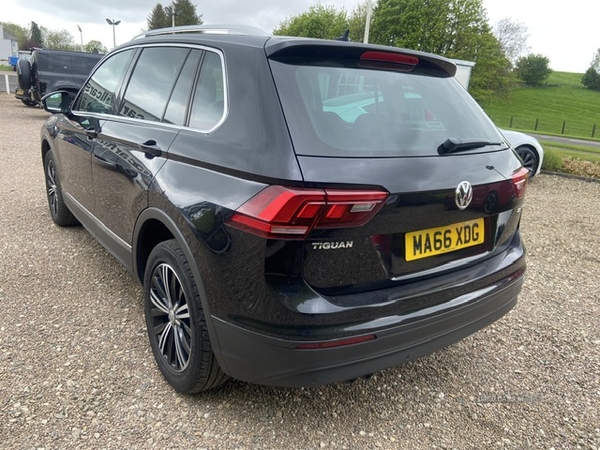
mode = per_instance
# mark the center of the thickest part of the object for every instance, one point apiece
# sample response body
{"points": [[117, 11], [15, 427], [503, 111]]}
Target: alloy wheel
{"points": [[52, 187], [170, 317], [529, 158]]}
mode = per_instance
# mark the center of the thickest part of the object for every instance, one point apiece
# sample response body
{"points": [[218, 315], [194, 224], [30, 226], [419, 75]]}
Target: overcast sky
{"points": [[565, 32]]}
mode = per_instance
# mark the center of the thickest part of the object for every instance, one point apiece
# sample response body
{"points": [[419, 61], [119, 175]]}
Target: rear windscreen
{"points": [[339, 109]]}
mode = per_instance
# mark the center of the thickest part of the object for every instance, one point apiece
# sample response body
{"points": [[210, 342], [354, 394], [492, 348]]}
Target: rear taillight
{"points": [[519, 180], [285, 213]]}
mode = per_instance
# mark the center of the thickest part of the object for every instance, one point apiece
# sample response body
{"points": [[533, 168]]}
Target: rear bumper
{"points": [[258, 358], [23, 95]]}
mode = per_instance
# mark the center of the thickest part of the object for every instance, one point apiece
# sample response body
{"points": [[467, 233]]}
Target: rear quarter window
{"points": [[208, 103]]}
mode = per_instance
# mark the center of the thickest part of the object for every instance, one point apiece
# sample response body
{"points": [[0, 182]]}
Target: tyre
{"points": [[529, 157], [28, 102], [58, 209], [176, 322], [24, 74]]}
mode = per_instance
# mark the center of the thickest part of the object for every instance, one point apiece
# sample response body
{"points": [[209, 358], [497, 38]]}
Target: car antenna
{"points": [[344, 36]]}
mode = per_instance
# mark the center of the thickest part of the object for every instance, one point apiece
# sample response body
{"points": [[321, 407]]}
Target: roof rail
{"points": [[206, 29]]}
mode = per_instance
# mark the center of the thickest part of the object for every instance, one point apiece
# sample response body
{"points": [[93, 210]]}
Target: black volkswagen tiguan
{"points": [[298, 211]]}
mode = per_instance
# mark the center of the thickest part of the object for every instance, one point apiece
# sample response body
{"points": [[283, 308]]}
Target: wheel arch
{"points": [[71, 87], [45, 148], [531, 147], [152, 227]]}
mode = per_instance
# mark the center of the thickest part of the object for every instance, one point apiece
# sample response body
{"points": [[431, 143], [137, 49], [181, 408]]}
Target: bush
{"points": [[591, 79], [534, 69], [552, 161]]}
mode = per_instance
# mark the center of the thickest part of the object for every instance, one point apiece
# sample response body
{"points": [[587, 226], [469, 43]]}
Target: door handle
{"points": [[150, 149]]}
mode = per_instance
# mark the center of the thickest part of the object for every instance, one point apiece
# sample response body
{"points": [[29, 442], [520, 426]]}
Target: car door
{"points": [[133, 144], [80, 129]]}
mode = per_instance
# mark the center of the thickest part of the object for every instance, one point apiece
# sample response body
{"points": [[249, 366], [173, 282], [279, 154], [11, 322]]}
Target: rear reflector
{"points": [[519, 180], [285, 213], [338, 343]]}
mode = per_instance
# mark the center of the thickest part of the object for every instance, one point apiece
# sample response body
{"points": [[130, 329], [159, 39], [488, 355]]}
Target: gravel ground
{"points": [[76, 369]]}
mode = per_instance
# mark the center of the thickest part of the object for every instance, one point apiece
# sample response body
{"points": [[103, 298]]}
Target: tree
{"points": [[456, 29], [414, 24], [185, 13], [60, 40], [591, 78], [21, 33], [95, 47], [320, 21], [512, 36], [35, 37], [492, 76], [357, 20], [533, 69], [158, 18]]}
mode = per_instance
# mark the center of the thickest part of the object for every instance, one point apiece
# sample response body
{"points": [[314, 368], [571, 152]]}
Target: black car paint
{"points": [[259, 290]]}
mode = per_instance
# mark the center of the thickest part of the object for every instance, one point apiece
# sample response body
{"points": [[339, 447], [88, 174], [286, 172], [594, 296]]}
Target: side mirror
{"points": [[57, 102]]}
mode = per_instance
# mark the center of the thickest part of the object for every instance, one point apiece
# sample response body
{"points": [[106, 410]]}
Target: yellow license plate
{"points": [[20, 92], [435, 241]]}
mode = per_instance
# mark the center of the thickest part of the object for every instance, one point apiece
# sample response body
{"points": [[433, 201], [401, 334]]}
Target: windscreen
{"points": [[340, 109]]}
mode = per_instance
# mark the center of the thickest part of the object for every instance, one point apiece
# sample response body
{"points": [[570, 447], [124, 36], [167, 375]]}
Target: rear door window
{"points": [[152, 82], [344, 110], [177, 107]]}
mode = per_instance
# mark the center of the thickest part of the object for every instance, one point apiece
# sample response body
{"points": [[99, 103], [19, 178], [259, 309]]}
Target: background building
{"points": [[9, 45]]}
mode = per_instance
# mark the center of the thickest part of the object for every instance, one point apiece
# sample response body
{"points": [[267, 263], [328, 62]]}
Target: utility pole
{"points": [[81, 36], [368, 23], [114, 23], [170, 11]]}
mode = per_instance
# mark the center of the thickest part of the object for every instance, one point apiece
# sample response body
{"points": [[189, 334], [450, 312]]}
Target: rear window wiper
{"points": [[452, 145]]}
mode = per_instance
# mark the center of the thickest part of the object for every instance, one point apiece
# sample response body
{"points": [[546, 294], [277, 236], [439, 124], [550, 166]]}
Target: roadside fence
{"points": [[552, 126]]}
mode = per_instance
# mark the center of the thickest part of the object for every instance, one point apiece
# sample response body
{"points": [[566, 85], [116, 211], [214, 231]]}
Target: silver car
{"points": [[528, 148]]}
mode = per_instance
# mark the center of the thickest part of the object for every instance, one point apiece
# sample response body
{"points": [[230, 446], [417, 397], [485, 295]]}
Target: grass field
{"points": [[563, 100], [572, 151]]}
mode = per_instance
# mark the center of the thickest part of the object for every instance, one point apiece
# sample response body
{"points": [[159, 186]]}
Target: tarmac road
{"points": [[566, 140]]}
